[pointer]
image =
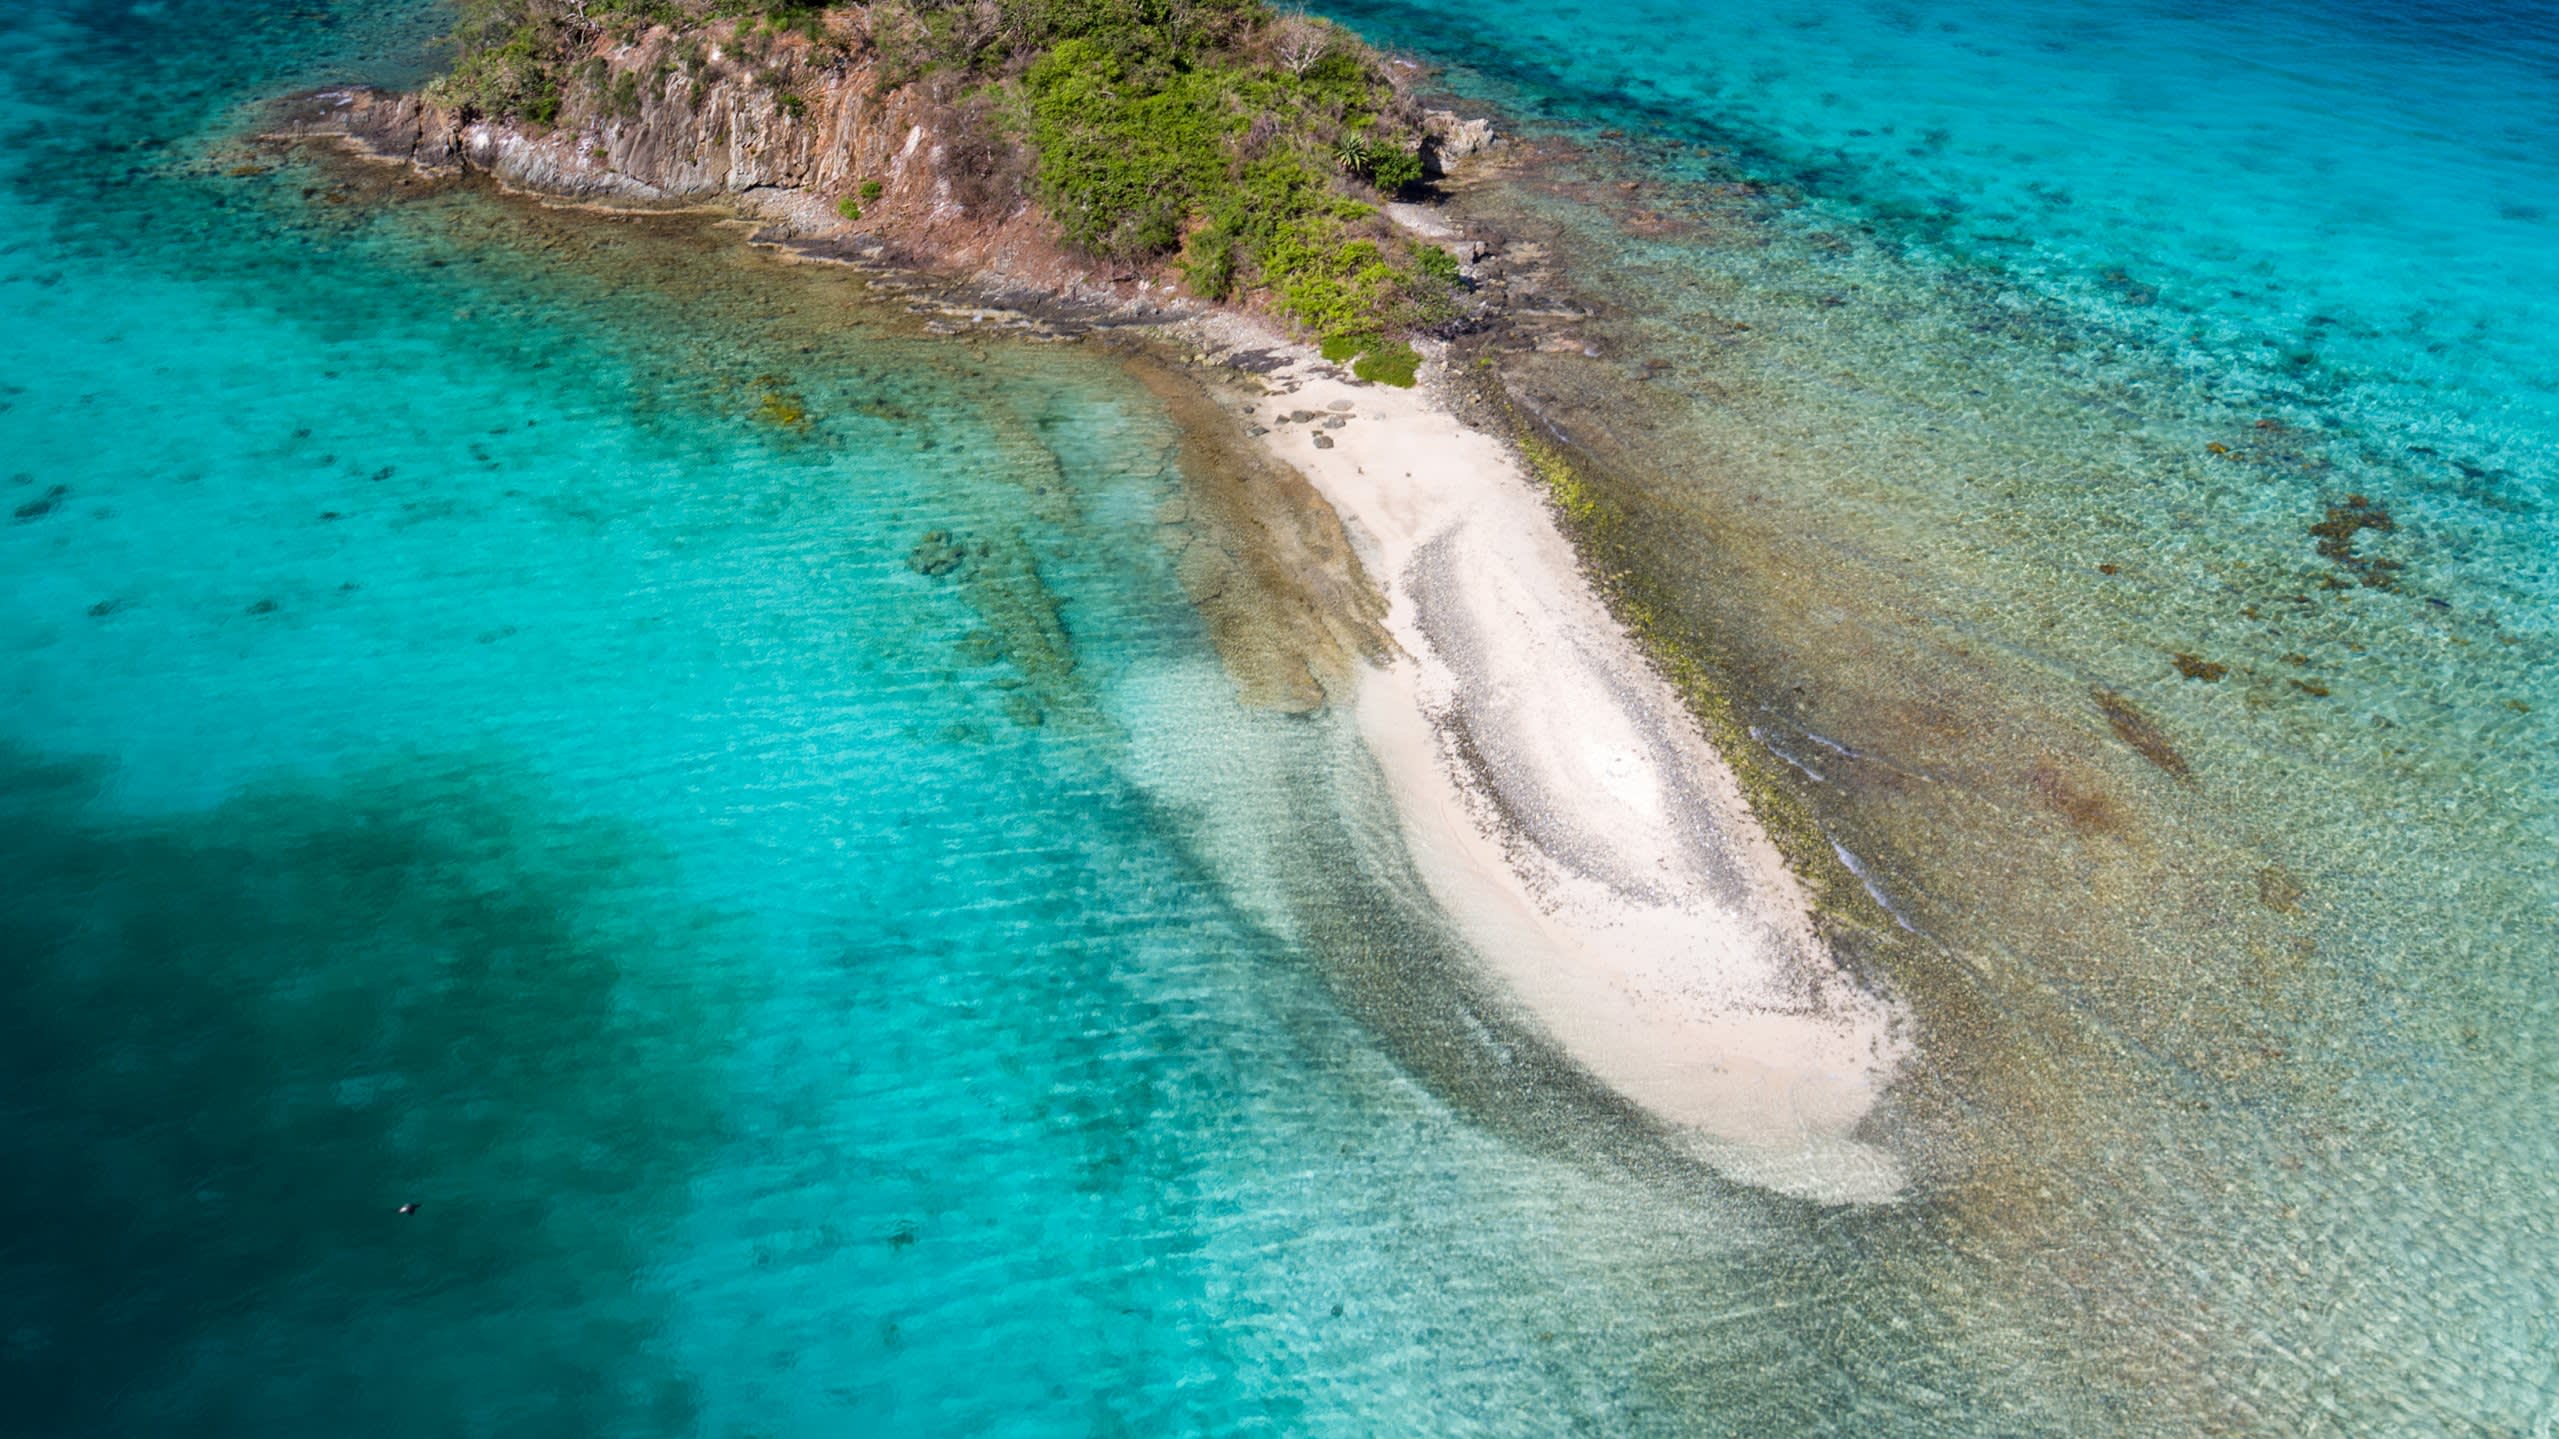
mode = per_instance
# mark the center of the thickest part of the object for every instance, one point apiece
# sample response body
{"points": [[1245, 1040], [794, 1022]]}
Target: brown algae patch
{"points": [[781, 408], [2139, 731], [2076, 798], [2337, 535]]}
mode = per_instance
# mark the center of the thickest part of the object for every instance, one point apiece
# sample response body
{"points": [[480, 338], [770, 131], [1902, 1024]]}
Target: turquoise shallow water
{"points": [[473, 737]]}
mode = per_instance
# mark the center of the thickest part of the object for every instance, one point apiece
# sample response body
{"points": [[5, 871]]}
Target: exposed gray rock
{"points": [[1447, 140]]}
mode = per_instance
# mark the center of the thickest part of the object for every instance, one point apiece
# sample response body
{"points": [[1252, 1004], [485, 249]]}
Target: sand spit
{"points": [[1563, 806], [1555, 795]]}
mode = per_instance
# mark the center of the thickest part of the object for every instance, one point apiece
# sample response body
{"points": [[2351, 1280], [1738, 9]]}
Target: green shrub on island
{"points": [[507, 63], [1374, 358], [1242, 145], [1397, 364]]}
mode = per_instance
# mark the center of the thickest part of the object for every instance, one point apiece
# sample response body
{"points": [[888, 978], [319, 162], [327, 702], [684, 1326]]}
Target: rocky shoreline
{"points": [[776, 157]]}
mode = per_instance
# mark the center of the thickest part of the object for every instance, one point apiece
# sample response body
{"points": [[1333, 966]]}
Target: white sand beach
{"points": [[1566, 811]]}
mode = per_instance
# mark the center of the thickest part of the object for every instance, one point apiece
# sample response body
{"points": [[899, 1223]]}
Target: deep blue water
{"points": [[472, 737]]}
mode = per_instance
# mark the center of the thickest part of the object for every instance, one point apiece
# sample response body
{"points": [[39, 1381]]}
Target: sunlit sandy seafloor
{"points": [[2166, 634], [479, 735]]}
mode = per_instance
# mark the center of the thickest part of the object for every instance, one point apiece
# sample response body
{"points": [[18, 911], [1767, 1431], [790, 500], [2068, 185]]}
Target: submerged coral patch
{"points": [[2338, 532]]}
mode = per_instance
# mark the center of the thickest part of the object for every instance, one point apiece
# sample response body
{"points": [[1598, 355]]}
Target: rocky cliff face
{"points": [[824, 151], [831, 151]]}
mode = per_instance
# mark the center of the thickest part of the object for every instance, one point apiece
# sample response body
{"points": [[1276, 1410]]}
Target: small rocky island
{"points": [[1099, 150]]}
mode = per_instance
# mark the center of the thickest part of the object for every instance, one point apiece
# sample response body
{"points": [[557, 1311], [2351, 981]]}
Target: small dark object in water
{"points": [[265, 607], [37, 509], [409, 1208], [2196, 667], [903, 1237], [104, 608], [2110, 568], [2139, 731]]}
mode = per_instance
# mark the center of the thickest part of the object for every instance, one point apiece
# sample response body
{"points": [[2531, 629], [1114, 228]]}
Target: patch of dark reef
{"points": [[238, 1040], [1021, 623]]}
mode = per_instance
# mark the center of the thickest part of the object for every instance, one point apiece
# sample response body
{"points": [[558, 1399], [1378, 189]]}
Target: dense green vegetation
{"points": [[1244, 146], [1390, 364]]}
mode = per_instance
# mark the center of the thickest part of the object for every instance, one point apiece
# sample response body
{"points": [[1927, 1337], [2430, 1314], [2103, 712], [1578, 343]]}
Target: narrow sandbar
{"points": [[1566, 811]]}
